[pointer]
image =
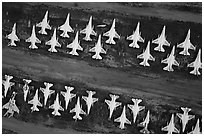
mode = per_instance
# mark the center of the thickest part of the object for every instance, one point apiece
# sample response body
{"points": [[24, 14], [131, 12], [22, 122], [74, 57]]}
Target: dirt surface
{"points": [[163, 93]]}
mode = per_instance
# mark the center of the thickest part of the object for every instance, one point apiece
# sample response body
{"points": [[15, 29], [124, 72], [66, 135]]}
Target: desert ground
{"points": [[119, 72]]}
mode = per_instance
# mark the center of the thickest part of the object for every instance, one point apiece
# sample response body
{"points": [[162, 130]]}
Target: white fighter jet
{"points": [[66, 27], [135, 37], [33, 39], [170, 61], [136, 108], [35, 102], [12, 36], [78, 110], [186, 45], [171, 126], [7, 84], [53, 42], [196, 64], [161, 41], [26, 88], [185, 117], [44, 24], [112, 104], [46, 91], [56, 106], [196, 130], [98, 49], [68, 95], [89, 100], [122, 119], [75, 45], [146, 56], [88, 31], [111, 34], [11, 106], [145, 124]]}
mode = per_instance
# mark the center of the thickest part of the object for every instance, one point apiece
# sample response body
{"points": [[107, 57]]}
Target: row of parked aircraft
{"points": [[98, 49], [90, 100]]}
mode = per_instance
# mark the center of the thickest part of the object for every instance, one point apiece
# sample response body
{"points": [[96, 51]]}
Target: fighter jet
{"points": [[68, 95], [56, 106], [112, 104], [170, 61], [7, 84], [145, 124], [11, 106], [146, 56], [161, 41], [98, 49], [53, 42], [89, 100], [66, 27], [78, 110], [46, 91], [136, 37], [44, 24], [35, 102], [122, 119], [88, 31], [196, 129], [196, 64], [136, 108], [171, 127], [33, 39], [12, 36], [111, 34], [186, 45], [75, 45], [185, 117], [26, 88]]}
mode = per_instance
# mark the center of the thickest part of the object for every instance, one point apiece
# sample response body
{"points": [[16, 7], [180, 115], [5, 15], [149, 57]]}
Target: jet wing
{"points": [[73, 110], [181, 45], [3, 82], [166, 43], [6, 106], [118, 119], [48, 26], [11, 84], [107, 34], [60, 108], [176, 63], [191, 46], [39, 24], [191, 117], [130, 37], [51, 92], [84, 98], [92, 49], [176, 130], [79, 48], [37, 40], [58, 44], [165, 61], [117, 104], [151, 57], [42, 89], [156, 41], [107, 102], [127, 121], [70, 45], [141, 56], [82, 112], [95, 100], [179, 115], [15, 108], [165, 128], [141, 39], [103, 51], [31, 101], [93, 32], [52, 106], [117, 35], [63, 94], [39, 104], [192, 64], [83, 31]]}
